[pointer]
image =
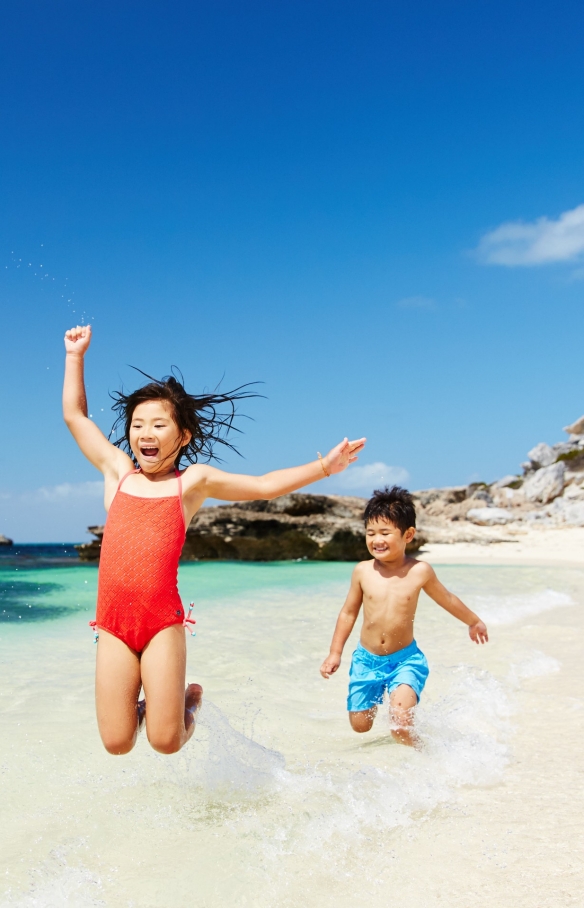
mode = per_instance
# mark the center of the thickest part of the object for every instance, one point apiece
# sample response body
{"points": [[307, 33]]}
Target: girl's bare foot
{"points": [[193, 701]]}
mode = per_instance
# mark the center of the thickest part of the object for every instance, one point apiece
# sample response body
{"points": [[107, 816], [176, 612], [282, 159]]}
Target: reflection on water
{"points": [[19, 600]]}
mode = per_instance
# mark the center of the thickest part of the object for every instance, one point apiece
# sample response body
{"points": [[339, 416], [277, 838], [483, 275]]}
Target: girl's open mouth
{"points": [[149, 452]]}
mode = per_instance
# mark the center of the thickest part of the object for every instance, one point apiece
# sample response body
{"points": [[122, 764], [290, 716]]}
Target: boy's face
{"points": [[385, 541]]}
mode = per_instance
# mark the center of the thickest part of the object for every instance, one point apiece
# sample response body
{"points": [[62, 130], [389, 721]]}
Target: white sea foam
{"points": [[464, 742], [499, 610], [535, 665], [58, 884]]}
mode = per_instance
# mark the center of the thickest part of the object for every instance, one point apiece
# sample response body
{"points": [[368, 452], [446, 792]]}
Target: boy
{"points": [[387, 657]]}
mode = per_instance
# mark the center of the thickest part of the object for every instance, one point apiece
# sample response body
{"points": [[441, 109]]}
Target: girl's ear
{"points": [[186, 437]]}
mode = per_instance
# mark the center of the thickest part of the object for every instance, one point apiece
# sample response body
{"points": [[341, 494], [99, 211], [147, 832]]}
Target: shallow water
{"points": [[275, 802]]}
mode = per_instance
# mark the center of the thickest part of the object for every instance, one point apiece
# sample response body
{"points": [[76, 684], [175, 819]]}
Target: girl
{"points": [[150, 503]]}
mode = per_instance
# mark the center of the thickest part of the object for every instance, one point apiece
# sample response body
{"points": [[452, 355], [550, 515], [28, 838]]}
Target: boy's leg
{"points": [[117, 686], [170, 710], [363, 720], [402, 702]]}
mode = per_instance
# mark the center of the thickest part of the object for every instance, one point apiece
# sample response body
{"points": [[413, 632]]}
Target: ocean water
{"points": [[275, 803]]}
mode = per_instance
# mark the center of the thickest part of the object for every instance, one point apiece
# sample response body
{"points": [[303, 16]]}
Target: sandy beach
{"points": [[275, 801], [564, 546]]}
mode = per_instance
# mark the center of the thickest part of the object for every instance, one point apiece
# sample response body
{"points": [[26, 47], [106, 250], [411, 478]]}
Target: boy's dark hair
{"points": [[208, 417], [395, 504]]}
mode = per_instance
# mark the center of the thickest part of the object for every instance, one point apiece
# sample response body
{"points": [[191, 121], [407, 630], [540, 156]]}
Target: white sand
{"points": [[562, 547]]}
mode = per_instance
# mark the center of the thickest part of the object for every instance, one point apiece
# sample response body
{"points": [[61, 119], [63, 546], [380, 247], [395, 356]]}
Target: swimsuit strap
{"points": [[129, 473], [137, 470]]}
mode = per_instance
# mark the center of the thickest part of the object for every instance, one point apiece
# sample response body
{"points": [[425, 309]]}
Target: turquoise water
{"points": [[275, 802]]}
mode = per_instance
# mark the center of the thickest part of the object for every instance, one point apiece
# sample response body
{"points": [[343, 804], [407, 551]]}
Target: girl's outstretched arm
{"points": [[233, 487], [93, 443]]}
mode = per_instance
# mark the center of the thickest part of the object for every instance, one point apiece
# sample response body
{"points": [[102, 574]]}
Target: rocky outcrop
{"points": [[4, 540], [489, 517], [545, 484], [296, 526], [576, 429], [550, 492]]}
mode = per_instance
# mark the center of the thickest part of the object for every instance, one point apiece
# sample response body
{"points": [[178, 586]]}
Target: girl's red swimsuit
{"points": [[137, 593]]}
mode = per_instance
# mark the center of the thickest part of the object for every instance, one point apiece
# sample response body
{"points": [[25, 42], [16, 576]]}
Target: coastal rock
{"points": [[488, 517], [545, 484], [482, 495], [542, 455], [576, 428], [570, 512], [4, 540], [508, 481], [300, 525], [292, 527]]}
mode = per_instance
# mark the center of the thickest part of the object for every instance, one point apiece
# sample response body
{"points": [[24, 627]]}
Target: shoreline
{"points": [[550, 547]]}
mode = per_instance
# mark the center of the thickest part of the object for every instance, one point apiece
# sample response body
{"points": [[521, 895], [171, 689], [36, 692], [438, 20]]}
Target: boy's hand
{"points": [[339, 457], [77, 339], [330, 665], [478, 632]]}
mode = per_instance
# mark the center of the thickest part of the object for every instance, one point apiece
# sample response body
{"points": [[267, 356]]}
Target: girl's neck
{"points": [[158, 476]]}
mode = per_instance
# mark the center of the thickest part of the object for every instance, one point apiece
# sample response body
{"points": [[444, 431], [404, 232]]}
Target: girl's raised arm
{"points": [[93, 443], [234, 487]]}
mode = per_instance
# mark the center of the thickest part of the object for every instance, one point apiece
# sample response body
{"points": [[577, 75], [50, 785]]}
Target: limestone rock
{"points": [[300, 525], [542, 455], [576, 428], [4, 540], [570, 512], [507, 481], [488, 517], [545, 484], [482, 495]]}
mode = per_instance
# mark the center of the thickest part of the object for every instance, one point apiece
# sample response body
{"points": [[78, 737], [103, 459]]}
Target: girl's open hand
{"points": [[77, 339], [339, 457], [478, 632]]}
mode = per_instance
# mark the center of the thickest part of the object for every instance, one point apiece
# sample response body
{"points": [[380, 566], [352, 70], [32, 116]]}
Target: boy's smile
{"points": [[385, 541]]}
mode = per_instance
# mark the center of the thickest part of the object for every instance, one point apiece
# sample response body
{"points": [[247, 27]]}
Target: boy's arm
{"points": [[93, 443], [345, 624], [216, 483], [437, 591]]}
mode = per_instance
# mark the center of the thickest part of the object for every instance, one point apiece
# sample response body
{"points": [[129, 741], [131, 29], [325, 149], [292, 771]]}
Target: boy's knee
{"points": [[361, 722]]}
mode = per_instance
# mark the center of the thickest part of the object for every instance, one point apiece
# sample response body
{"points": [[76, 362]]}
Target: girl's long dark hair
{"points": [[208, 417]]}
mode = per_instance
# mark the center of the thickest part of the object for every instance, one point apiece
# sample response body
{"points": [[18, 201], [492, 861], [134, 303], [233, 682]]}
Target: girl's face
{"points": [[155, 438]]}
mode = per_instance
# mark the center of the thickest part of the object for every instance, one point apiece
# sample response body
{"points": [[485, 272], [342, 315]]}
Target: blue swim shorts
{"points": [[370, 675]]}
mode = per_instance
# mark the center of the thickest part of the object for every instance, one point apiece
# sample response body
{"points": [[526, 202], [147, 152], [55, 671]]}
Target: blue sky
{"points": [[373, 208]]}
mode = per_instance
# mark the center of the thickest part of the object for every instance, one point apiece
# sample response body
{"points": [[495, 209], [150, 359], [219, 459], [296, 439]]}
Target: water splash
{"points": [[58, 884]]}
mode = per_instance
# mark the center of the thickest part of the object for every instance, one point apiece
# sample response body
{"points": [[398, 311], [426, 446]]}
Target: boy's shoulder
{"points": [[421, 570]]}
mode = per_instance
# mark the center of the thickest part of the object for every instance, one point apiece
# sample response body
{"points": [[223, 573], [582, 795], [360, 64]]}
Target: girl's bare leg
{"points": [[170, 710], [117, 686], [402, 702]]}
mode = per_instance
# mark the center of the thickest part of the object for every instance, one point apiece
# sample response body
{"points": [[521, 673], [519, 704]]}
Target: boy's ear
{"points": [[409, 534]]}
